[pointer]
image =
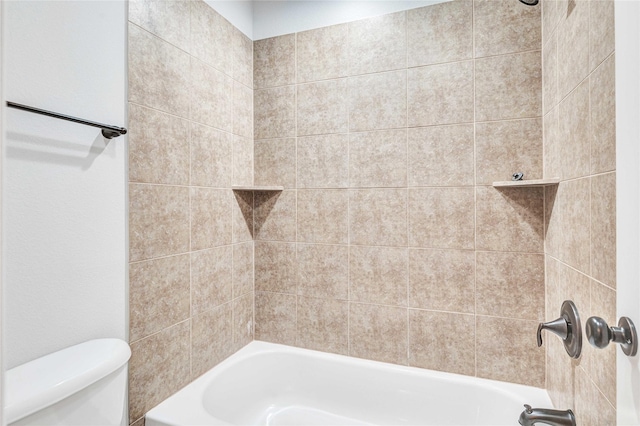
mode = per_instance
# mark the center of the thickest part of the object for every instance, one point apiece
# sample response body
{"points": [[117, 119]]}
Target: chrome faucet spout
{"points": [[531, 416]]}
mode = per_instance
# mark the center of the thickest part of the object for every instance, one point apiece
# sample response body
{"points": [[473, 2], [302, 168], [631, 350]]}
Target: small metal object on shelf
{"points": [[517, 176]]}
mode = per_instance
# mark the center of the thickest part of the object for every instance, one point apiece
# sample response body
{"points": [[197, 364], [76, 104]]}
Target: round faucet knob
{"points": [[598, 332]]}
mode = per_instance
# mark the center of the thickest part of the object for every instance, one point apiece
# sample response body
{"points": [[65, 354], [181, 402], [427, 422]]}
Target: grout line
{"points": [[295, 94], [475, 196], [348, 203], [406, 204]]}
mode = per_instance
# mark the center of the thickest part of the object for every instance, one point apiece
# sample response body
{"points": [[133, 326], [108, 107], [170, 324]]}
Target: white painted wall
{"points": [[263, 18], [64, 186], [627, 20], [1, 156], [238, 12], [273, 18]]}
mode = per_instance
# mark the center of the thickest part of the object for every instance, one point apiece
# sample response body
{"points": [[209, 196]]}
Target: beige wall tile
{"points": [[158, 76], [322, 107], [274, 61], [211, 217], [274, 112], [322, 53], [378, 275], [378, 217], [573, 45], [600, 364], [323, 216], [275, 318], [139, 422], [506, 351], [550, 74], [377, 44], [440, 94], [601, 31], [552, 148], [432, 343], [323, 271], [276, 267], [562, 283], [378, 159], [560, 373], [275, 215], [510, 219], [211, 338], [158, 221], [508, 86], [442, 218], [323, 161], [211, 36], [275, 162], [323, 325], [565, 283], [243, 267], [242, 110], [242, 161], [378, 101], [211, 96], [603, 228], [242, 206], [552, 220], [158, 367], [158, 295], [438, 154], [550, 17], [574, 133], [158, 147], [243, 320], [505, 147], [602, 97], [448, 29], [505, 27], [591, 406], [211, 157], [169, 20], [242, 57], [569, 209], [510, 285], [442, 280], [211, 278], [378, 333]]}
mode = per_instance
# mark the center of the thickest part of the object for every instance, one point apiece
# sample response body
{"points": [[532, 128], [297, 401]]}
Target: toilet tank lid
{"points": [[44, 381]]}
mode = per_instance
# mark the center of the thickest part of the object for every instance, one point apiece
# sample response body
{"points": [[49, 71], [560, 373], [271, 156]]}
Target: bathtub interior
{"points": [[268, 384]]}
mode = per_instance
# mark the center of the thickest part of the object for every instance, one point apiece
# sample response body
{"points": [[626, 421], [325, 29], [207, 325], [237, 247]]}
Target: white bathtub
{"points": [[269, 384]]}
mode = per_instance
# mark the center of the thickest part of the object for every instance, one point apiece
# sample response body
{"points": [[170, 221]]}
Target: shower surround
{"points": [[191, 250], [388, 241], [579, 146]]}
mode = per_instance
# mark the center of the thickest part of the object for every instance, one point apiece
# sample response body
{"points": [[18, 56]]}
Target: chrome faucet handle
{"points": [[600, 334], [567, 327]]}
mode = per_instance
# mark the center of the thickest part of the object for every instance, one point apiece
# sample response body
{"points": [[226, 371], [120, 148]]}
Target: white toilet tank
{"points": [[82, 385]]}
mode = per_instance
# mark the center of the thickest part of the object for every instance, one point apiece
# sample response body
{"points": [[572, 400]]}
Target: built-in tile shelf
{"points": [[523, 183], [257, 188]]}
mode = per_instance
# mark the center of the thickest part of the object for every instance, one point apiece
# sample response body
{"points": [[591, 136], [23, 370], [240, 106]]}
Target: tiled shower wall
{"points": [[191, 248], [579, 145], [389, 241]]}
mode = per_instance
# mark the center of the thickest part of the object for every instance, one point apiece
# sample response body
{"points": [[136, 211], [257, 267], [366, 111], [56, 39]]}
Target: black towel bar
{"points": [[107, 131]]}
